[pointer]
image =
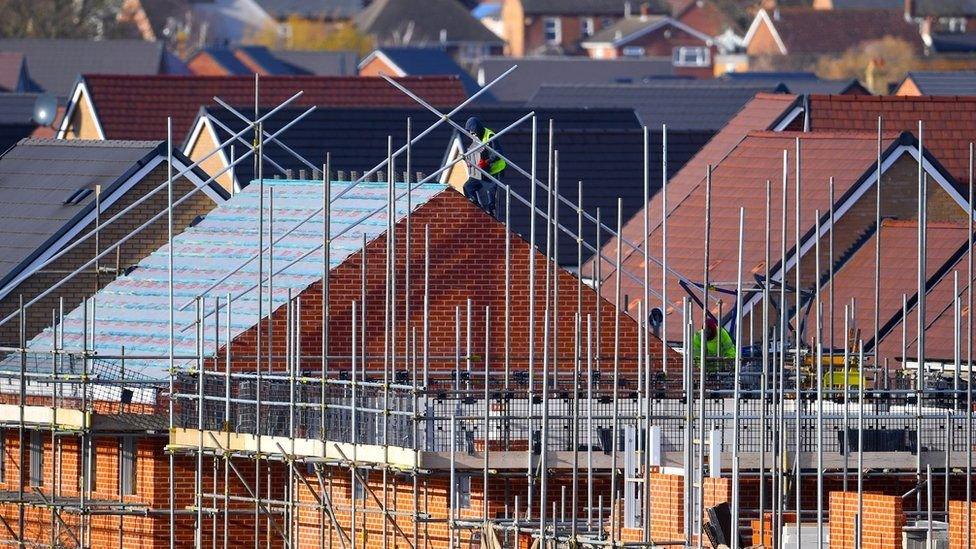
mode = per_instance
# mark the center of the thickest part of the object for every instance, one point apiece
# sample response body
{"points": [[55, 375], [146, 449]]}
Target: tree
{"points": [[298, 33], [58, 18], [877, 63]]}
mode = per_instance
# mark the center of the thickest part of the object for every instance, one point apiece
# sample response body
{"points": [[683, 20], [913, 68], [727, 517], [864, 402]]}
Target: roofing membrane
{"points": [[133, 311]]}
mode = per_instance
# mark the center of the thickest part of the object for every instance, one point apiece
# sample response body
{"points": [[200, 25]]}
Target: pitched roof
{"points": [[420, 23], [948, 121], [584, 7], [628, 28], [311, 9], [55, 64], [739, 181], [798, 82], [356, 137], [319, 63], [261, 58], [136, 107], [944, 83], [533, 72], [226, 59], [38, 176], [13, 73], [425, 62], [133, 309], [603, 148], [16, 118], [681, 104], [868, 4], [953, 42], [951, 241], [854, 278], [944, 8], [810, 31]]}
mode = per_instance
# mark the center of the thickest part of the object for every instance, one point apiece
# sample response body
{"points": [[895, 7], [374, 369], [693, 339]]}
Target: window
{"points": [[691, 56], [552, 27], [462, 491], [36, 459], [3, 455], [953, 24], [359, 488], [127, 467], [586, 27], [633, 51]]}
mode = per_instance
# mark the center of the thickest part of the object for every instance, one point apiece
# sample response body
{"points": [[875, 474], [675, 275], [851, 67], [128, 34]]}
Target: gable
{"points": [[81, 121], [762, 38]]}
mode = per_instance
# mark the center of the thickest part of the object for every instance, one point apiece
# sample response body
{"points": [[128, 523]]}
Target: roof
{"points": [[356, 138], [320, 63], [944, 8], [868, 4], [533, 72], [681, 104], [416, 22], [953, 42], [630, 28], [133, 309], [947, 121], [854, 278], [798, 82], [944, 83], [264, 59], [811, 31], [311, 9], [584, 7], [425, 62], [13, 72], [939, 312], [39, 175], [16, 118], [180, 97], [226, 59], [739, 182], [55, 64], [603, 148]]}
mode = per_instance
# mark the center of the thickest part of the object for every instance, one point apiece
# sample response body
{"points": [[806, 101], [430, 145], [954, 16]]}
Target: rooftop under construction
{"points": [[374, 361]]}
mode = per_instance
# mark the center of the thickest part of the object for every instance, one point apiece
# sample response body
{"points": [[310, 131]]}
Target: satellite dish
{"points": [[656, 318], [45, 109]]}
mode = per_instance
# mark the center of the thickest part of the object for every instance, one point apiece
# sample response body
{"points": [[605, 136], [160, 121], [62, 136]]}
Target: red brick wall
{"points": [[466, 261], [668, 503], [882, 522], [959, 524]]}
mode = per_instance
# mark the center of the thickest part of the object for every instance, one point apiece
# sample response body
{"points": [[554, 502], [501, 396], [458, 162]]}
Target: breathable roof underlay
{"points": [[133, 311]]}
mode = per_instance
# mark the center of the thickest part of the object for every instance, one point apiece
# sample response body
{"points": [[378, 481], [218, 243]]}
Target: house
{"points": [[54, 64], [522, 84], [17, 119], [416, 62], [130, 464], [691, 51], [101, 106], [233, 22], [535, 27], [50, 190], [355, 140], [172, 22], [937, 20], [681, 104], [441, 23], [806, 32], [723, 21], [241, 61], [918, 83]]}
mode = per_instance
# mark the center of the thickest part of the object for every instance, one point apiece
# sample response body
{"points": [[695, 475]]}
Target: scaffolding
{"points": [[561, 443]]}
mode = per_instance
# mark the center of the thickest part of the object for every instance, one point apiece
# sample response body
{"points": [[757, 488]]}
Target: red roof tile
{"points": [[949, 123], [136, 107], [854, 279], [814, 31], [740, 181], [951, 242], [762, 113]]}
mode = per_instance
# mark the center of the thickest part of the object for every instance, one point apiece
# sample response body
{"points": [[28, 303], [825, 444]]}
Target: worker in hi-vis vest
{"points": [[479, 188], [718, 342]]}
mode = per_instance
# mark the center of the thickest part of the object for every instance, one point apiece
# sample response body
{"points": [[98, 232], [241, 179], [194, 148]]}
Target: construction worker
{"points": [[479, 189], [718, 342]]}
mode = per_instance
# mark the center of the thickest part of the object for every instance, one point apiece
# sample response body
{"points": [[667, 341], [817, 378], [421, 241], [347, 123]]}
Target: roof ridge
{"points": [[104, 143]]}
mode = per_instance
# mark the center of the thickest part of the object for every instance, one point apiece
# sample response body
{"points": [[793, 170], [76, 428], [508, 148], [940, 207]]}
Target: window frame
{"points": [[587, 27], [36, 458], [128, 466], [680, 56], [633, 51], [557, 30]]}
